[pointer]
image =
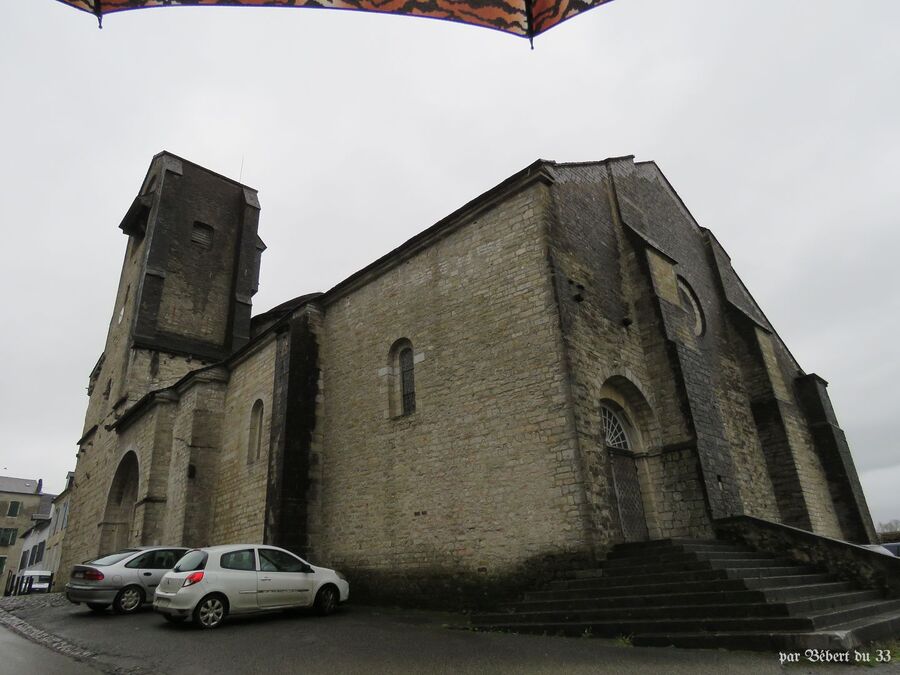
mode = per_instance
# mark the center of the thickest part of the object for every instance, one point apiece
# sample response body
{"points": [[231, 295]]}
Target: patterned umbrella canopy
{"points": [[526, 18]]}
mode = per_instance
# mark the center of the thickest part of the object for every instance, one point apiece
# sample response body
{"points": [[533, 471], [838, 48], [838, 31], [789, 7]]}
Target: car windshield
{"points": [[112, 558], [192, 560]]}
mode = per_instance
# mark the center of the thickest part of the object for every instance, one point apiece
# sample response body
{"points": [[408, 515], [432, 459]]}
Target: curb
{"points": [[48, 640]]}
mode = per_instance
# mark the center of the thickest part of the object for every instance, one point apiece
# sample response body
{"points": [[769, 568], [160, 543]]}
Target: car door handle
{"points": [[265, 578], [148, 574]]}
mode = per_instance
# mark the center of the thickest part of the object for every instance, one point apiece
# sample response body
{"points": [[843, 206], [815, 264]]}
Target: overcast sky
{"points": [[777, 123]]}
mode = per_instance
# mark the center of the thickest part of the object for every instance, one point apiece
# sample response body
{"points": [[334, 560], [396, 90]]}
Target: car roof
{"points": [[224, 548]]}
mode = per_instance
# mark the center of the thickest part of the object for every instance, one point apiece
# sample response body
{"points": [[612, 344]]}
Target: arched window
{"points": [[254, 441], [400, 379], [407, 381]]}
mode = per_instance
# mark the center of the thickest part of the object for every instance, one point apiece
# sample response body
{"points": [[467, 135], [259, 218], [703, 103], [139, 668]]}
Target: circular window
{"points": [[613, 429], [690, 303]]}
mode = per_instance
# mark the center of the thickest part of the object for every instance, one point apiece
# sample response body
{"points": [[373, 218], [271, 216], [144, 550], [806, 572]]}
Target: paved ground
{"points": [[19, 655], [364, 640]]}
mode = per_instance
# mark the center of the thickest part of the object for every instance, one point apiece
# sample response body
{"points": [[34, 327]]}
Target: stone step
{"points": [[634, 626], [769, 583], [871, 628], [686, 576], [787, 593], [837, 616], [685, 556], [691, 604], [721, 583], [837, 638], [799, 608], [631, 546], [694, 564]]}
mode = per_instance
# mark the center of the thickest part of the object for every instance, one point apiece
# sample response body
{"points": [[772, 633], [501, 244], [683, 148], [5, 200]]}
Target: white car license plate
{"points": [[163, 602]]}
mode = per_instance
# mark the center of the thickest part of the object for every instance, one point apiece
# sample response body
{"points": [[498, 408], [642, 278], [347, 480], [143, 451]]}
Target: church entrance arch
{"points": [[626, 484], [628, 442], [116, 529]]}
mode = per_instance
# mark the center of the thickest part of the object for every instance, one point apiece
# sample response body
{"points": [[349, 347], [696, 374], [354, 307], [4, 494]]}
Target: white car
{"points": [[208, 584]]}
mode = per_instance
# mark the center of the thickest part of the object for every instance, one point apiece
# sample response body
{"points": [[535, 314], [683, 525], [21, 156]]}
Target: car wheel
{"points": [[129, 600], [97, 607], [172, 618], [211, 611], [326, 600]]}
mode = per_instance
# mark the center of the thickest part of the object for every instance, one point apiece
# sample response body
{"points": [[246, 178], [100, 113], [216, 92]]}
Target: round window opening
{"points": [[613, 429], [692, 305]]}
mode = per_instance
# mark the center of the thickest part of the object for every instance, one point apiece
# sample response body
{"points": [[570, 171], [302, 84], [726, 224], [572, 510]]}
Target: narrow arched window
{"points": [[407, 381], [254, 441]]}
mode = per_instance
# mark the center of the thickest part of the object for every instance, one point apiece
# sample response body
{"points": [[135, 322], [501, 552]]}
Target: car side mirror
{"points": [[306, 569]]}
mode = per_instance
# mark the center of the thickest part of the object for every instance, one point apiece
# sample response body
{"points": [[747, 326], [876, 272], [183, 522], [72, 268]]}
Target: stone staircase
{"points": [[703, 593]]}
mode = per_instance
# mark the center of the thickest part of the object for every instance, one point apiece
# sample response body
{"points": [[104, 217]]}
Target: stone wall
{"points": [[478, 484], [239, 496], [196, 447]]}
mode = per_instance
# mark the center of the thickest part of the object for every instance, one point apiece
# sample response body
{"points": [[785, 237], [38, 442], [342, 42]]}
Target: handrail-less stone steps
{"points": [[682, 592]]}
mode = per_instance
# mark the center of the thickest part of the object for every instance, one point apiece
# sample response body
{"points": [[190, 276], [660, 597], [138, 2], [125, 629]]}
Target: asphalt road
{"points": [[363, 640], [19, 655]]}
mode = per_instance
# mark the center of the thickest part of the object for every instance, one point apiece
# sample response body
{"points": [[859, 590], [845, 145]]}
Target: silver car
{"points": [[125, 580], [208, 584]]}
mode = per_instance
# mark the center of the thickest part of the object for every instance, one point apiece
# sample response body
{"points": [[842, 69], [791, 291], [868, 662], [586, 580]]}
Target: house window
{"points": [[2, 563], [14, 508], [254, 440], [8, 536], [407, 381], [40, 551]]}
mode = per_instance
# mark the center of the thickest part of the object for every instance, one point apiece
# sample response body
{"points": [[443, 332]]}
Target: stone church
{"points": [[566, 362]]}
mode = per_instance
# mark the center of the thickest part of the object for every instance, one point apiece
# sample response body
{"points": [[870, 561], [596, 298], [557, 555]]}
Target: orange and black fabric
{"points": [[526, 18]]}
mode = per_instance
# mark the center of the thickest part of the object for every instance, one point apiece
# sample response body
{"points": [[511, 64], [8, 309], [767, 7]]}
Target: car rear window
{"points": [[192, 560], [238, 560], [112, 558]]}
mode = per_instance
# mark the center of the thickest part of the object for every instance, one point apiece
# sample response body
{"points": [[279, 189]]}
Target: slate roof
{"points": [[25, 486]]}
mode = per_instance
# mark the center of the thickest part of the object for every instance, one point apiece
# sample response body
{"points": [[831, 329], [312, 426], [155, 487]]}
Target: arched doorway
{"points": [[618, 437], [118, 518]]}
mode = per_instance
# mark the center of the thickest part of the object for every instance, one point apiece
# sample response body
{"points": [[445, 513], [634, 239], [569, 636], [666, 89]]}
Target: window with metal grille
{"points": [[202, 235], [613, 430], [407, 381]]}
